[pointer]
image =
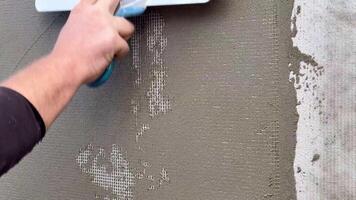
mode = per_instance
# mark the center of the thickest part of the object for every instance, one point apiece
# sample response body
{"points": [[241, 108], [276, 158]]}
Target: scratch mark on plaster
{"points": [[119, 180], [140, 133], [38, 38], [164, 177], [136, 53], [157, 42], [151, 27], [112, 174]]}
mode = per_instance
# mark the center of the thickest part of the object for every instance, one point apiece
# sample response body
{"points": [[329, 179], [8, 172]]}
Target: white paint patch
{"points": [[327, 97], [112, 174]]}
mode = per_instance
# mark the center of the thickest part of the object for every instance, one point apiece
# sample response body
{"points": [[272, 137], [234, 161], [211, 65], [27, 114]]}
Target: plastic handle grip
{"points": [[123, 12]]}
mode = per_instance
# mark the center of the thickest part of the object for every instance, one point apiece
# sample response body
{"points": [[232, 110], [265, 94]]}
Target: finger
{"points": [[122, 48], [110, 5], [124, 27]]}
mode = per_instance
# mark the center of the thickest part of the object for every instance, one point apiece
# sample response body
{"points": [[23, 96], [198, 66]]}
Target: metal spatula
{"points": [[128, 8]]}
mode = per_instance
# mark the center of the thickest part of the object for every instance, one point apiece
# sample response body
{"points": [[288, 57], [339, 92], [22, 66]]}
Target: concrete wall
{"points": [[201, 109], [325, 166]]}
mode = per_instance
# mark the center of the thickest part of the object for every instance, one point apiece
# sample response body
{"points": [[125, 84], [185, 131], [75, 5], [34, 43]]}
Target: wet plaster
{"points": [[201, 109]]}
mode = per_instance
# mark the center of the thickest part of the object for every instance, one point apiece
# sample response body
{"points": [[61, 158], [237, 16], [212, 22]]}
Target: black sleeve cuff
{"points": [[21, 128]]}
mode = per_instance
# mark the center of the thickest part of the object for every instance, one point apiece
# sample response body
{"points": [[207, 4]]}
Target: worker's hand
{"points": [[92, 37]]}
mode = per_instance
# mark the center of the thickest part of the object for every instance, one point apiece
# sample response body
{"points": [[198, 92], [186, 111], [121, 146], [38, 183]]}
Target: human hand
{"points": [[92, 37]]}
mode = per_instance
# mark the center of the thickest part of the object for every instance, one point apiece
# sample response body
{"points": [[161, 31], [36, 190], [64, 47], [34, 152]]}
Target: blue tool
{"points": [[128, 8]]}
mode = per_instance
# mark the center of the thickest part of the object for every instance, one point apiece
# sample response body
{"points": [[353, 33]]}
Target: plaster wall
{"points": [[201, 109]]}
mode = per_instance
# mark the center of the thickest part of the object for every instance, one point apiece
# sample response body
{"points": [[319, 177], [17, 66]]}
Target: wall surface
{"points": [[201, 109], [325, 81]]}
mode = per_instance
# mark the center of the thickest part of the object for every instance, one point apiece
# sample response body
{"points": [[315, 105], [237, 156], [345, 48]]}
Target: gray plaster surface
{"points": [[201, 109]]}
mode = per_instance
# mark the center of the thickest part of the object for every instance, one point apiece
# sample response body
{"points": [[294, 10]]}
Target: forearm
{"points": [[86, 45], [49, 84], [37, 94]]}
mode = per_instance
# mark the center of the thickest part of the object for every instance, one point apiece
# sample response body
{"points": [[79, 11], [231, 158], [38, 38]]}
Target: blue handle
{"points": [[124, 12], [104, 77]]}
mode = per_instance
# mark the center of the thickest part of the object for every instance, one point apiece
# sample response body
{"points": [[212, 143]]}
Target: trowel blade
{"points": [[66, 5]]}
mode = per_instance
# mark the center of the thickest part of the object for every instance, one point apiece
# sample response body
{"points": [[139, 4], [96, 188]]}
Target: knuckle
{"points": [[132, 28], [124, 48], [126, 22], [130, 25]]}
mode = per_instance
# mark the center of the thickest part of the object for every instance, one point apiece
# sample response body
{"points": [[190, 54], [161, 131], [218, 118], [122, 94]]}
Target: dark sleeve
{"points": [[21, 128]]}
